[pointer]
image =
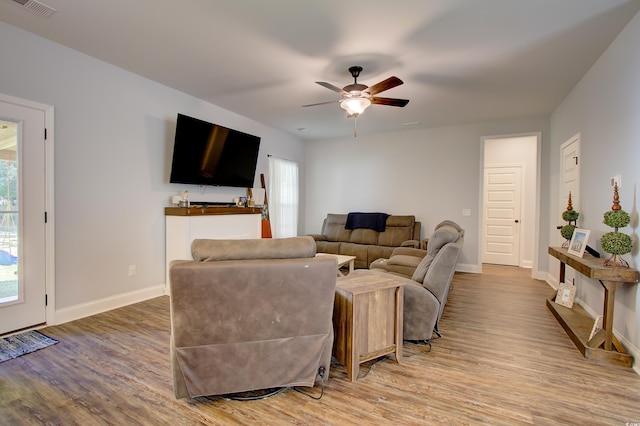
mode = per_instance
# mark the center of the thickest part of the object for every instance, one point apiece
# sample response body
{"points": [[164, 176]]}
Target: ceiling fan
{"points": [[358, 97]]}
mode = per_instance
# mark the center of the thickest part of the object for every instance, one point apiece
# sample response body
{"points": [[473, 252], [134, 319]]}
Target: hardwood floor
{"points": [[503, 359]]}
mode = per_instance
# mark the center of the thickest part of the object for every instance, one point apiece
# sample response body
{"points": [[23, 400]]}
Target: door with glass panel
{"points": [[22, 217]]}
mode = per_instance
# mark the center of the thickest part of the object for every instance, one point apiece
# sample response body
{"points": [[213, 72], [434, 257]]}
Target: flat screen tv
{"points": [[209, 154]]}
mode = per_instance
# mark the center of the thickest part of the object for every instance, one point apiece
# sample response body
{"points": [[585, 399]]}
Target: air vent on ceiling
{"points": [[37, 7]]}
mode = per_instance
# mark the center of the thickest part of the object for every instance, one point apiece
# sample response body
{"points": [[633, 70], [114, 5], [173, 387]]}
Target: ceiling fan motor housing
{"points": [[355, 71], [355, 89]]}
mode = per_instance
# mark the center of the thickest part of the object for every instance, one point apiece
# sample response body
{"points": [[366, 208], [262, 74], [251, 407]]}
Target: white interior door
{"points": [[570, 183], [502, 210], [22, 225]]}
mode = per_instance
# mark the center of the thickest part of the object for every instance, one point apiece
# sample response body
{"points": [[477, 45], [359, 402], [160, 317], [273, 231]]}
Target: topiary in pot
{"points": [[567, 232], [616, 218], [616, 243], [570, 216]]}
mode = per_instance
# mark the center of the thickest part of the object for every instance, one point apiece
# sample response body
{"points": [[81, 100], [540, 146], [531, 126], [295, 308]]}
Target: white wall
{"points": [[605, 109], [430, 173], [113, 144]]}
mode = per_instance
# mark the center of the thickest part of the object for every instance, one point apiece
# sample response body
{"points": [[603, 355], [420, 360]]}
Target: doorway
{"points": [[26, 235], [510, 200]]}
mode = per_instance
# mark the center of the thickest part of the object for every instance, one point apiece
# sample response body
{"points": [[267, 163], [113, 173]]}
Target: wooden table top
{"points": [[365, 283], [593, 267]]}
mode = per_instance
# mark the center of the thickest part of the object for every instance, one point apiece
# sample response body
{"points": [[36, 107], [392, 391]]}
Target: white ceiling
{"points": [[462, 61]]}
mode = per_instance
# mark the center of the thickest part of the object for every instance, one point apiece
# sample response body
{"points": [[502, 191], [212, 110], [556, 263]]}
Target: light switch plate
{"points": [[616, 179]]}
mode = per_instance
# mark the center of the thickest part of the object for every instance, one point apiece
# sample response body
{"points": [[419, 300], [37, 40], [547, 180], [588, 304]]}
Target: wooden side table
{"points": [[604, 345], [367, 320]]}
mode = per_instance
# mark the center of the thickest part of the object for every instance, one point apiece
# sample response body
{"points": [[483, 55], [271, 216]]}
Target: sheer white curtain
{"points": [[283, 197]]}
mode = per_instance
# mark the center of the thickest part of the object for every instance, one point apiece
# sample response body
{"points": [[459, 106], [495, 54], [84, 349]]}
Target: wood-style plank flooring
{"points": [[502, 359]]}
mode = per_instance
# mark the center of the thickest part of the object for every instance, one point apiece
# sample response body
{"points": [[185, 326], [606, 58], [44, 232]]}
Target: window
{"points": [[283, 197]]}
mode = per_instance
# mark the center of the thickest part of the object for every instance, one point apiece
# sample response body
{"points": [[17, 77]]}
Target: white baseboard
{"points": [[83, 310], [552, 280], [538, 275], [633, 351], [468, 267]]}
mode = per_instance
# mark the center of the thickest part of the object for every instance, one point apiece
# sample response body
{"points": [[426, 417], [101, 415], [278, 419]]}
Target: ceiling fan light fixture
{"points": [[355, 106]]}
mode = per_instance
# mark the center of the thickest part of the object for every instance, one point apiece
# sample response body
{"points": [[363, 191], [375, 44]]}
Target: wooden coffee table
{"points": [[342, 261], [367, 320]]}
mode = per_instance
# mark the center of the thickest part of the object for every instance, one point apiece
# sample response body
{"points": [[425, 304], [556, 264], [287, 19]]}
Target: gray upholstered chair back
{"points": [[250, 314]]}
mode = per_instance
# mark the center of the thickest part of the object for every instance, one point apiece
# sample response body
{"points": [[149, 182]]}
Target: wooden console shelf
{"points": [[205, 211], [577, 323]]}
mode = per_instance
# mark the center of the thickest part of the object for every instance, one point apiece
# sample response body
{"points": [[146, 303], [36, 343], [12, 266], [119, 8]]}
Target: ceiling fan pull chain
{"points": [[355, 132]]}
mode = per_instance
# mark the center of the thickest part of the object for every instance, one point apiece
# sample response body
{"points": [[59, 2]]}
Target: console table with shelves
{"points": [[577, 323]]}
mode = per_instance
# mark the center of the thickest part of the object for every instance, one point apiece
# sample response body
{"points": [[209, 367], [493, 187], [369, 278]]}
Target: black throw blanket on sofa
{"points": [[375, 221]]}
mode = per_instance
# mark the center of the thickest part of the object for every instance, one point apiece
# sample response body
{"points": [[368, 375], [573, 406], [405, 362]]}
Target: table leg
{"points": [[399, 307], [607, 317], [353, 357]]}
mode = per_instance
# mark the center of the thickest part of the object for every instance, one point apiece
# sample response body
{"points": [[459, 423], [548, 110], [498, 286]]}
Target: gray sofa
{"points": [[249, 315], [366, 244], [426, 276]]}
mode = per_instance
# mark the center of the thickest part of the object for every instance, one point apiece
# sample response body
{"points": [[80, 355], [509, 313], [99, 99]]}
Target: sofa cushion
{"points": [[379, 252], [334, 229], [363, 236], [441, 236], [398, 230], [206, 250], [328, 247], [360, 251]]}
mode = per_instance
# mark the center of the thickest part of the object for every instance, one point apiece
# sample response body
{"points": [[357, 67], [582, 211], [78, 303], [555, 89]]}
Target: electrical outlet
{"points": [[466, 212], [616, 179], [132, 270]]}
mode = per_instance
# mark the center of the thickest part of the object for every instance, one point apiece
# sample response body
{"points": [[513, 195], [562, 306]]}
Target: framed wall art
{"points": [[578, 242]]}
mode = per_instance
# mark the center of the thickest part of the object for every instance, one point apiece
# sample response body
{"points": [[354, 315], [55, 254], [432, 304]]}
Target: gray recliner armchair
{"points": [[426, 275], [250, 315]]}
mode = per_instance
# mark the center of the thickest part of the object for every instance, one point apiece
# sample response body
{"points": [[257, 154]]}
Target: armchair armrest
{"points": [[411, 243], [408, 251]]}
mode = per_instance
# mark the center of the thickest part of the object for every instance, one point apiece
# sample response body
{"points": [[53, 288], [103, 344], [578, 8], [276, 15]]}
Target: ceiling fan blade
{"points": [[330, 86], [387, 84], [321, 103], [390, 101]]}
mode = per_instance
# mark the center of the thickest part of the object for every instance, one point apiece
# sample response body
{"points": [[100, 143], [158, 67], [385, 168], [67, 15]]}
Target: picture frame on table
{"points": [[578, 242]]}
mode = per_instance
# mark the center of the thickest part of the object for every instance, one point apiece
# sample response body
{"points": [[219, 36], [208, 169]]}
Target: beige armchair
{"points": [[250, 315]]}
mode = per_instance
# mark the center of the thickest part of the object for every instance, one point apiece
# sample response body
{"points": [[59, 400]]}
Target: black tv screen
{"points": [[209, 154]]}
